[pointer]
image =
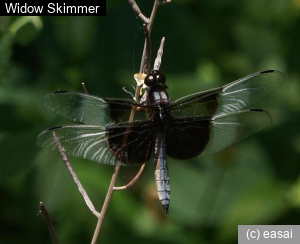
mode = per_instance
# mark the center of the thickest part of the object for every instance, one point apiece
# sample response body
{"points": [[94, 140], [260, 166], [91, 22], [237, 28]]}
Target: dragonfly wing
{"points": [[93, 110], [129, 144], [230, 98]]}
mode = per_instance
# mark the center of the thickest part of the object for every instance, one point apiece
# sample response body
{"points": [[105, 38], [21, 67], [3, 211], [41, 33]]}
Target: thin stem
{"points": [[145, 65], [105, 204], [138, 12], [49, 223], [145, 62], [153, 14], [111, 185], [137, 94], [119, 188], [75, 178]]}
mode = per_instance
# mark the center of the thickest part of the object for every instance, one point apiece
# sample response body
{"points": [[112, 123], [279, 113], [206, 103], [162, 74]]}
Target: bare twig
{"points": [[49, 222], [112, 184], [128, 92], [105, 204], [119, 188], [138, 12], [75, 178], [153, 14], [160, 52], [145, 63], [147, 48]]}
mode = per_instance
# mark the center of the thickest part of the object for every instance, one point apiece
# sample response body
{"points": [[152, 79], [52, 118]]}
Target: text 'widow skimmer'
{"points": [[195, 125]]}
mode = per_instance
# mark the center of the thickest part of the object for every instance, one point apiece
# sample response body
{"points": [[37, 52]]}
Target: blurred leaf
{"points": [[22, 21], [18, 151], [294, 194], [5, 53]]}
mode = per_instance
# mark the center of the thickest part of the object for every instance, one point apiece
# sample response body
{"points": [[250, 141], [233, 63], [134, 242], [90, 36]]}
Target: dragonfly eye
{"points": [[150, 80], [161, 78]]}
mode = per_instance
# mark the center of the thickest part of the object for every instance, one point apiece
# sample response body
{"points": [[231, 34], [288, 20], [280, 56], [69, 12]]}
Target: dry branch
{"points": [[49, 222], [144, 69], [75, 178]]}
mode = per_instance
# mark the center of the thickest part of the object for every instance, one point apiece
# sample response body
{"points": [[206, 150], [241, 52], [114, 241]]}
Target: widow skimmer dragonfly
{"points": [[195, 125]]}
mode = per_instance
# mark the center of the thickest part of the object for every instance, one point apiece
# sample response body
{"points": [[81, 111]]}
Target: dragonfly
{"points": [[195, 125]]}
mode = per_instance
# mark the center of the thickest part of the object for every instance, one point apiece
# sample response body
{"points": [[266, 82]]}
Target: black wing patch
{"points": [[136, 143], [191, 137], [128, 144]]}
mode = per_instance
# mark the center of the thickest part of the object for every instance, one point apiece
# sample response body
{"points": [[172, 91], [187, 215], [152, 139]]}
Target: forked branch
{"points": [[119, 188], [144, 69], [146, 59], [138, 12]]}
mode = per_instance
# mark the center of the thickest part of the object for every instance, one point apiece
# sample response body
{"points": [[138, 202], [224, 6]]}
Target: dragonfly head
{"points": [[155, 79]]}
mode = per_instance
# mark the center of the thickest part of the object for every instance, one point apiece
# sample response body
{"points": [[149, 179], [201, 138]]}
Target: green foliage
{"points": [[208, 44]]}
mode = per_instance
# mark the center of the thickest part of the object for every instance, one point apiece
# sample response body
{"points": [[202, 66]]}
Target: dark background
{"points": [[208, 44]]}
